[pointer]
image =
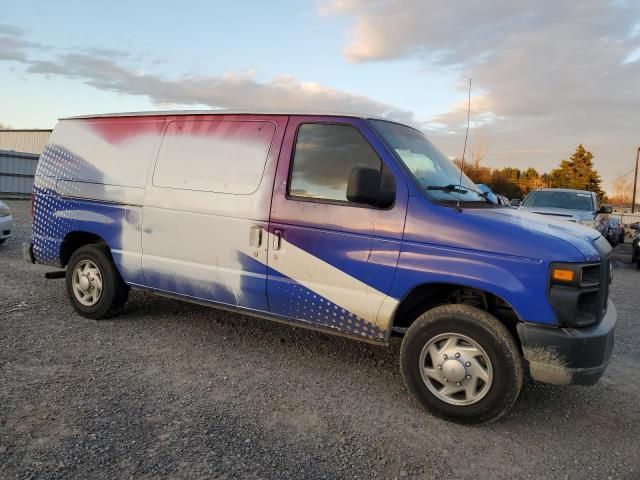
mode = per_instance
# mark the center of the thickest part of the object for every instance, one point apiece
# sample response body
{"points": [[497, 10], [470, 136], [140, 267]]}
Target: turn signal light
{"points": [[563, 275]]}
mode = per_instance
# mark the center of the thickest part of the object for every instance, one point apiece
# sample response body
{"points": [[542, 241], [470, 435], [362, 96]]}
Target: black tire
{"points": [[114, 290], [2, 241], [487, 332]]}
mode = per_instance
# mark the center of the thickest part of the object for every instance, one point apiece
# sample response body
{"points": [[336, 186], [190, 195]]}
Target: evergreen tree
{"points": [[561, 177], [577, 172]]}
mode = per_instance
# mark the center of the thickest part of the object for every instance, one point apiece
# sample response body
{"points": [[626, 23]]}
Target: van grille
{"points": [[590, 276], [603, 248]]}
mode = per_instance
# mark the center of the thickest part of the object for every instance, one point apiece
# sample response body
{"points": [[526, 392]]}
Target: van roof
{"points": [[228, 112]]}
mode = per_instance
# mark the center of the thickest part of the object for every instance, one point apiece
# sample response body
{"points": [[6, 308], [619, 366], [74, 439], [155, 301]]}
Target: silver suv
{"points": [[579, 206]]}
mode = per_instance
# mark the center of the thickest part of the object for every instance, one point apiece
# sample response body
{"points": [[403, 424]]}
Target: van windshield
{"points": [[559, 199], [435, 173]]}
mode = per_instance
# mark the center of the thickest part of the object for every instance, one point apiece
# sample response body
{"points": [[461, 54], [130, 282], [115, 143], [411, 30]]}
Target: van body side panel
{"points": [[335, 264], [117, 225], [207, 208], [90, 179]]}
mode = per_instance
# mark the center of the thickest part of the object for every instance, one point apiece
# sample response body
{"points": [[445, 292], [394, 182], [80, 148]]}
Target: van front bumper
{"points": [[564, 356]]}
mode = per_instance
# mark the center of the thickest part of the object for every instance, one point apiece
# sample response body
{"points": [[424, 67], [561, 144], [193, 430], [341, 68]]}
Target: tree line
{"points": [[576, 172]]}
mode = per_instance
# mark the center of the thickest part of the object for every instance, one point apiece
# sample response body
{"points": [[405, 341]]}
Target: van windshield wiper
{"points": [[458, 188]]}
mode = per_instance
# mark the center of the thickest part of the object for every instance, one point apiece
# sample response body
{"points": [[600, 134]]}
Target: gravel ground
{"points": [[169, 389]]}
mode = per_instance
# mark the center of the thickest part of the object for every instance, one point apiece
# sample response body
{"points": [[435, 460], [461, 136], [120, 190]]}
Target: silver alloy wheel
{"points": [[87, 283], [456, 369]]}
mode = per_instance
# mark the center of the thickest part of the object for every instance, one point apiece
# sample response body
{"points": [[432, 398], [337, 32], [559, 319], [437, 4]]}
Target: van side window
{"points": [[214, 156], [324, 157]]}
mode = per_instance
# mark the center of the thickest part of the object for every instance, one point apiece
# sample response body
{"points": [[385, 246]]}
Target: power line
{"points": [[611, 182]]}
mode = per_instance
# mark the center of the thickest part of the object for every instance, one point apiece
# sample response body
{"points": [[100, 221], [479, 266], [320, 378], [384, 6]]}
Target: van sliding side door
{"points": [[207, 207]]}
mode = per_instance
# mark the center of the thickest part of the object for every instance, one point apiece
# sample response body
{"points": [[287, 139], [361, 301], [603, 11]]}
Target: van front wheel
{"points": [[462, 364], [94, 286]]}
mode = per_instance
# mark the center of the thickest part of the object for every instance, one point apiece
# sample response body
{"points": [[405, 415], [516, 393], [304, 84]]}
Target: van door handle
{"points": [[255, 236], [277, 237]]}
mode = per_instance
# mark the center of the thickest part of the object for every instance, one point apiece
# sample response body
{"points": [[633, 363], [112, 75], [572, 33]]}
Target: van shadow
{"points": [[201, 322], [537, 407]]}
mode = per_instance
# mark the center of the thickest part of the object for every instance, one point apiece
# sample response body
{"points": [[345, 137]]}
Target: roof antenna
{"points": [[466, 136]]}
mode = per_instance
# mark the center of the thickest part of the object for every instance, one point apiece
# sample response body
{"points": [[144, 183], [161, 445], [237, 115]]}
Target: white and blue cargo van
{"points": [[343, 223]]}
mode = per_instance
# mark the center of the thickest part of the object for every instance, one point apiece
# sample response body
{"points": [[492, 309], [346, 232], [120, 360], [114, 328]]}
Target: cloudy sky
{"points": [[546, 75]]}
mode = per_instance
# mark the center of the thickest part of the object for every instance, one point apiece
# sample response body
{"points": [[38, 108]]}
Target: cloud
{"points": [[118, 71], [233, 90], [552, 73], [13, 46], [106, 52], [13, 30], [481, 112]]}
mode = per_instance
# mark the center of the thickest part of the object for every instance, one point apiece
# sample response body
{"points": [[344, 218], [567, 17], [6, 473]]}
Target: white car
{"points": [[5, 222]]}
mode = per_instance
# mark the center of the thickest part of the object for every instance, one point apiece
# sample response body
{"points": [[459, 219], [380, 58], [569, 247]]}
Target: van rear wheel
{"points": [[94, 286], [462, 364]]}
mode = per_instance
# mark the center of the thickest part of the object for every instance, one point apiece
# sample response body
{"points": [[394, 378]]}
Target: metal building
{"points": [[17, 171], [19, 153], [24, 141]]}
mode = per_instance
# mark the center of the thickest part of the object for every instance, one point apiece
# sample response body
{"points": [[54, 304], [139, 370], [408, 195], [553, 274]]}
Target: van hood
{"points": [[501, 231], [558, 228]]}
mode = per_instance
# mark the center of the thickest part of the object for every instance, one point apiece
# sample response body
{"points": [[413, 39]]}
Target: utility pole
{"points": [[635, 182]]}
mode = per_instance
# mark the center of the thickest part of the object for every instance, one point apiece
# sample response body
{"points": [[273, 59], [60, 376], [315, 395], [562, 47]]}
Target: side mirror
{"points": [[605, 209], [366, 186], [515, 202]]}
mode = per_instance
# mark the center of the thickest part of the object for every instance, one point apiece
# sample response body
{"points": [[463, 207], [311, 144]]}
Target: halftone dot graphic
{"points": [[303, 304], [53, 215], [49, 227]]}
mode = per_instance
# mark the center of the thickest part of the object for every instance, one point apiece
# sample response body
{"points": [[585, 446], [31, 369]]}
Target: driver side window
{"points": [[324, 158]]}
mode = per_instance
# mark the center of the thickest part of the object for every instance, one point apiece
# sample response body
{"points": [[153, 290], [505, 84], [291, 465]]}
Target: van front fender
{"points": [[520, 282]]}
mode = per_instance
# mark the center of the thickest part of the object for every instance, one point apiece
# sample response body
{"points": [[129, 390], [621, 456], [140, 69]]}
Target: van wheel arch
{"points": [[74, 240], [431, 295]]}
